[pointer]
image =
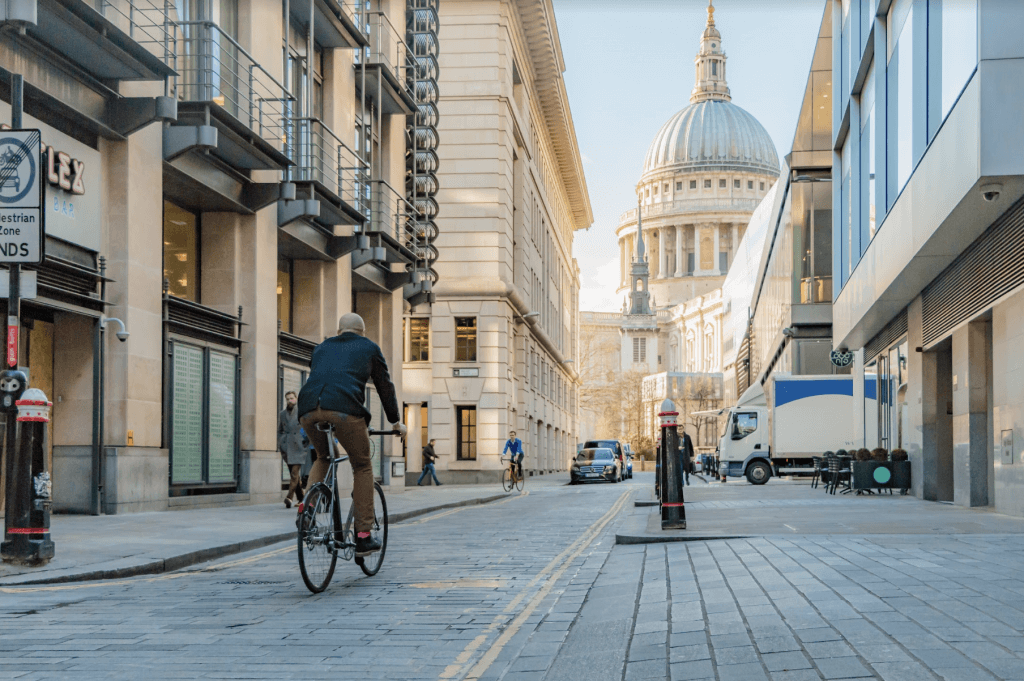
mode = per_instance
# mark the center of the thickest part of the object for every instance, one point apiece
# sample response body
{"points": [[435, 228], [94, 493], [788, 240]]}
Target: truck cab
{"points": [[744, 448]]}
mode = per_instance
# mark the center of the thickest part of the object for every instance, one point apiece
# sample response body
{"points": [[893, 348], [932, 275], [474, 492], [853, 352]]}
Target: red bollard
{"points": [[673, 513], [27, 539]]}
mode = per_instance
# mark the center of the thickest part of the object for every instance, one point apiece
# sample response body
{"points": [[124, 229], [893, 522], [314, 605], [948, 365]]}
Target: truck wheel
{"points": [[758, 473]]}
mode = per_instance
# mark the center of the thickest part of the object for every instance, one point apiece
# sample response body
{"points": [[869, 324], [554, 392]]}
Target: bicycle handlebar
{"points": [[385, 432]]}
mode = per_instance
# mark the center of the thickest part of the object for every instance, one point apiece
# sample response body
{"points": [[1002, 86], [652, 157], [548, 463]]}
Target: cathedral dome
{"points": [[712, 134]]}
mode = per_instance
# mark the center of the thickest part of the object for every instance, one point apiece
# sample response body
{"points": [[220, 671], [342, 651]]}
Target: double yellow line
{"points": [[553, 571]]}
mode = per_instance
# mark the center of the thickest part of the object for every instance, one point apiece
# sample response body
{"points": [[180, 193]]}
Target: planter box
{"points": [[900, 475], [872, 474]]}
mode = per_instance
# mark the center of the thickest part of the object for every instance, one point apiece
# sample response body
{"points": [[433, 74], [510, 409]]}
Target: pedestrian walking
{"points": [[429, 457], [291, 442], [686, 455]]}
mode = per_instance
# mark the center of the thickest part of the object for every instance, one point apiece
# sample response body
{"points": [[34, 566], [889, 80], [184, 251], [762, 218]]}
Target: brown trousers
{"points": [[295, 484], [354, 439]]}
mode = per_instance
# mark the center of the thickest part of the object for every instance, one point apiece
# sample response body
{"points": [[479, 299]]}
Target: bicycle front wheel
{"points": [[371, 564], [520, 481], [317, 556], [506, 480]]}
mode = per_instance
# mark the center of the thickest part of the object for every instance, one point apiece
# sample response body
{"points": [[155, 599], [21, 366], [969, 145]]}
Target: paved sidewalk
{"points": [[107, 547], [792, 507]]}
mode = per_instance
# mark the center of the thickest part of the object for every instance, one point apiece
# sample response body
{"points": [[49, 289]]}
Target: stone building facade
{"points": [[247, 180], [496, 350]]}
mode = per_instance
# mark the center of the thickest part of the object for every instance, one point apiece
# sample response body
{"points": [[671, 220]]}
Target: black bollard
{"points": [[673, 514], [27, 527]]}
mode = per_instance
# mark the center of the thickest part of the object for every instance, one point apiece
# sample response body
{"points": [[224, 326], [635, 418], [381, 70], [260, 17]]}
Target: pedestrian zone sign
{"points": [[21, 197]]}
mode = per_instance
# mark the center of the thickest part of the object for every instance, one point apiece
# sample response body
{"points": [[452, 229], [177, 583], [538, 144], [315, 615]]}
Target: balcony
{"points": [[327, 170], [390, 67], [335, 24], [390, 236], [228, 103]]}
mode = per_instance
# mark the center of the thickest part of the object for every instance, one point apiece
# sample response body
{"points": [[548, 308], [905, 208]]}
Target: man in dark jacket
{"points": [[335, 392], [429, 457], [686, 455], [292, 444]]}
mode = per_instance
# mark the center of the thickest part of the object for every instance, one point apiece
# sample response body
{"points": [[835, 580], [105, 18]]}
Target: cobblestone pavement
{"points": [[533, 589]]}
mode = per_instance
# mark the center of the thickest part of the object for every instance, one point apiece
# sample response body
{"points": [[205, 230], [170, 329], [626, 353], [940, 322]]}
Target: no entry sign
{"points": [[21, 197]]}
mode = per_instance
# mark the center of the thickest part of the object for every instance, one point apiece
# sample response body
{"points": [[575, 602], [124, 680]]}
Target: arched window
{"points": [[690, 350], [639, 284], [709, 347]]}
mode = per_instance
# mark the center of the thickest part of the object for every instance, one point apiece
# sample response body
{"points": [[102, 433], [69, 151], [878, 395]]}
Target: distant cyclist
{"points": [[515, 446], [335, 392]]}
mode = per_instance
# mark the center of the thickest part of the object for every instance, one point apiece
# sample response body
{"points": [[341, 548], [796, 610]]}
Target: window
{"points": [[465, 339], [736, 184], [693, 184], [647, 192], [714, 68], [679, 186], [723, 261], [848, 242], [899, 75], [707, 184], [867, 160], [419, 339], [656, 191], [750, 184], [424, 424], [639, 350], [666, 187], [181, 252], [465, 429], [284, 294], [953, 33], [743, 425], [762, 186], [721, 184]]}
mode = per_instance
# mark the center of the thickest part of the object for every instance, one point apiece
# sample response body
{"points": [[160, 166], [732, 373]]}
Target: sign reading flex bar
{"points": [[21, 197]]}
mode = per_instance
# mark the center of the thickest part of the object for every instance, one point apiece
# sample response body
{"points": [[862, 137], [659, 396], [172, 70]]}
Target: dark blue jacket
{"points": [[338, 375]]}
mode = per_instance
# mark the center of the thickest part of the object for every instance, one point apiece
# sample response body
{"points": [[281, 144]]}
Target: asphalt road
{"points": [[532, 588]]}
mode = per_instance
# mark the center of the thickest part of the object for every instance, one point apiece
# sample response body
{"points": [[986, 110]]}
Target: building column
{"points": [[679, 250], [972, 349], [716, 263], [662, 254], [622, 262], [735, 243]]}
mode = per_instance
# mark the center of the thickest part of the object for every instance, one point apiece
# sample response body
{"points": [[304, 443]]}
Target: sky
{"points": [[629, 68]]}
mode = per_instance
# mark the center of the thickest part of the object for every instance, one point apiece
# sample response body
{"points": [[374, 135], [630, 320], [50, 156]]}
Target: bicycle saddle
{"points": [[323, 426]]}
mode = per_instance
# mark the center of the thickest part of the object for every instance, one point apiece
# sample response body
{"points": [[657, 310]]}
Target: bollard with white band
{"points": [[673, 513], [27, 540]]}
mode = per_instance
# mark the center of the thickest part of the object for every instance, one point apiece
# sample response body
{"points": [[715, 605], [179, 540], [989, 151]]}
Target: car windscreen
{"points": [[602, 444], [588, 455]]}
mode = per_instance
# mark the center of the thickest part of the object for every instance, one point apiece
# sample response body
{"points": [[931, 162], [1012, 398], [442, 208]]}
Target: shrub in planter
{"points": [[880, 454], [900, 470], [862, 454]]}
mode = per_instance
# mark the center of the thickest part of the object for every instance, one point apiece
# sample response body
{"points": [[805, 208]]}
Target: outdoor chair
{"points": [[817, 471], [839, 472]]}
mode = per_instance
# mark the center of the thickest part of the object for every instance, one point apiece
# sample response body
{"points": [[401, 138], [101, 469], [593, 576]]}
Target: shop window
{"points": [[693, 184], [465, 429], [181, 252], [419, 339], [204, 418], [465, 339], [284, 294]]}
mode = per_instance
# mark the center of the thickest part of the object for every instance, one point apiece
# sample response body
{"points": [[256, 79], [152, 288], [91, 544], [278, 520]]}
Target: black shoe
{"points": [[366, 545], [439, 484]]}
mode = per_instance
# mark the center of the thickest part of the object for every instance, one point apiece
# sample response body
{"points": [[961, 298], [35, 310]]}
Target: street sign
{"points": [[21, 197], [841, 359], [29, 284]]}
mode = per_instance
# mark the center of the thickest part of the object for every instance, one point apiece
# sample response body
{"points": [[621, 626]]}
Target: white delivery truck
{"points": [[776, 428]]}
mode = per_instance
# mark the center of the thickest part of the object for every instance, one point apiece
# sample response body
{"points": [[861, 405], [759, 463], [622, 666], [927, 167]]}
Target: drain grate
{"points": [[249, 582]]}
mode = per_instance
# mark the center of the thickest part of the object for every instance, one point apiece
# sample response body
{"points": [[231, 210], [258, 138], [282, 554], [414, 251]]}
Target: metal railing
{"points": [[320, 156], [392, 214], [816, 290], [389, 50], [213, 67], [150, 23], [690, 206]]}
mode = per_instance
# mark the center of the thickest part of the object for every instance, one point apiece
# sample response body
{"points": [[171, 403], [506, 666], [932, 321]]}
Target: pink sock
{"points": [[362, 535]]}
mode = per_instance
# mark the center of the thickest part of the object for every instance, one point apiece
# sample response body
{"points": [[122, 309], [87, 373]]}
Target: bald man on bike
{"points": [[335, 393]]}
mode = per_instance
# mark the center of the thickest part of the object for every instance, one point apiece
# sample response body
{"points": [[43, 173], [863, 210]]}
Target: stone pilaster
{"points": [[971, 357]]}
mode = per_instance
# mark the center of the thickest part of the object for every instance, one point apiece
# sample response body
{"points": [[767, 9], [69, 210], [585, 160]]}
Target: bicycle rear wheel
{"points": [[371, 564], [317, 556], [506, 480], [520, 481]]}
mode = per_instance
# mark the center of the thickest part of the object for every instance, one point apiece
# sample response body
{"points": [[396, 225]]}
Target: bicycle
{"points": [[319, 542], [511, 477]]}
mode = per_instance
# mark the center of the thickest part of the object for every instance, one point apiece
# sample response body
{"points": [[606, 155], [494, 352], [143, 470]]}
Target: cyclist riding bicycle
{"points": [[335, 392], [515, 445]]}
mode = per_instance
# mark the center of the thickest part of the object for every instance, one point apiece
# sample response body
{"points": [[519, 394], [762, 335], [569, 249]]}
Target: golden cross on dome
{"points": [[711, 13]]}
